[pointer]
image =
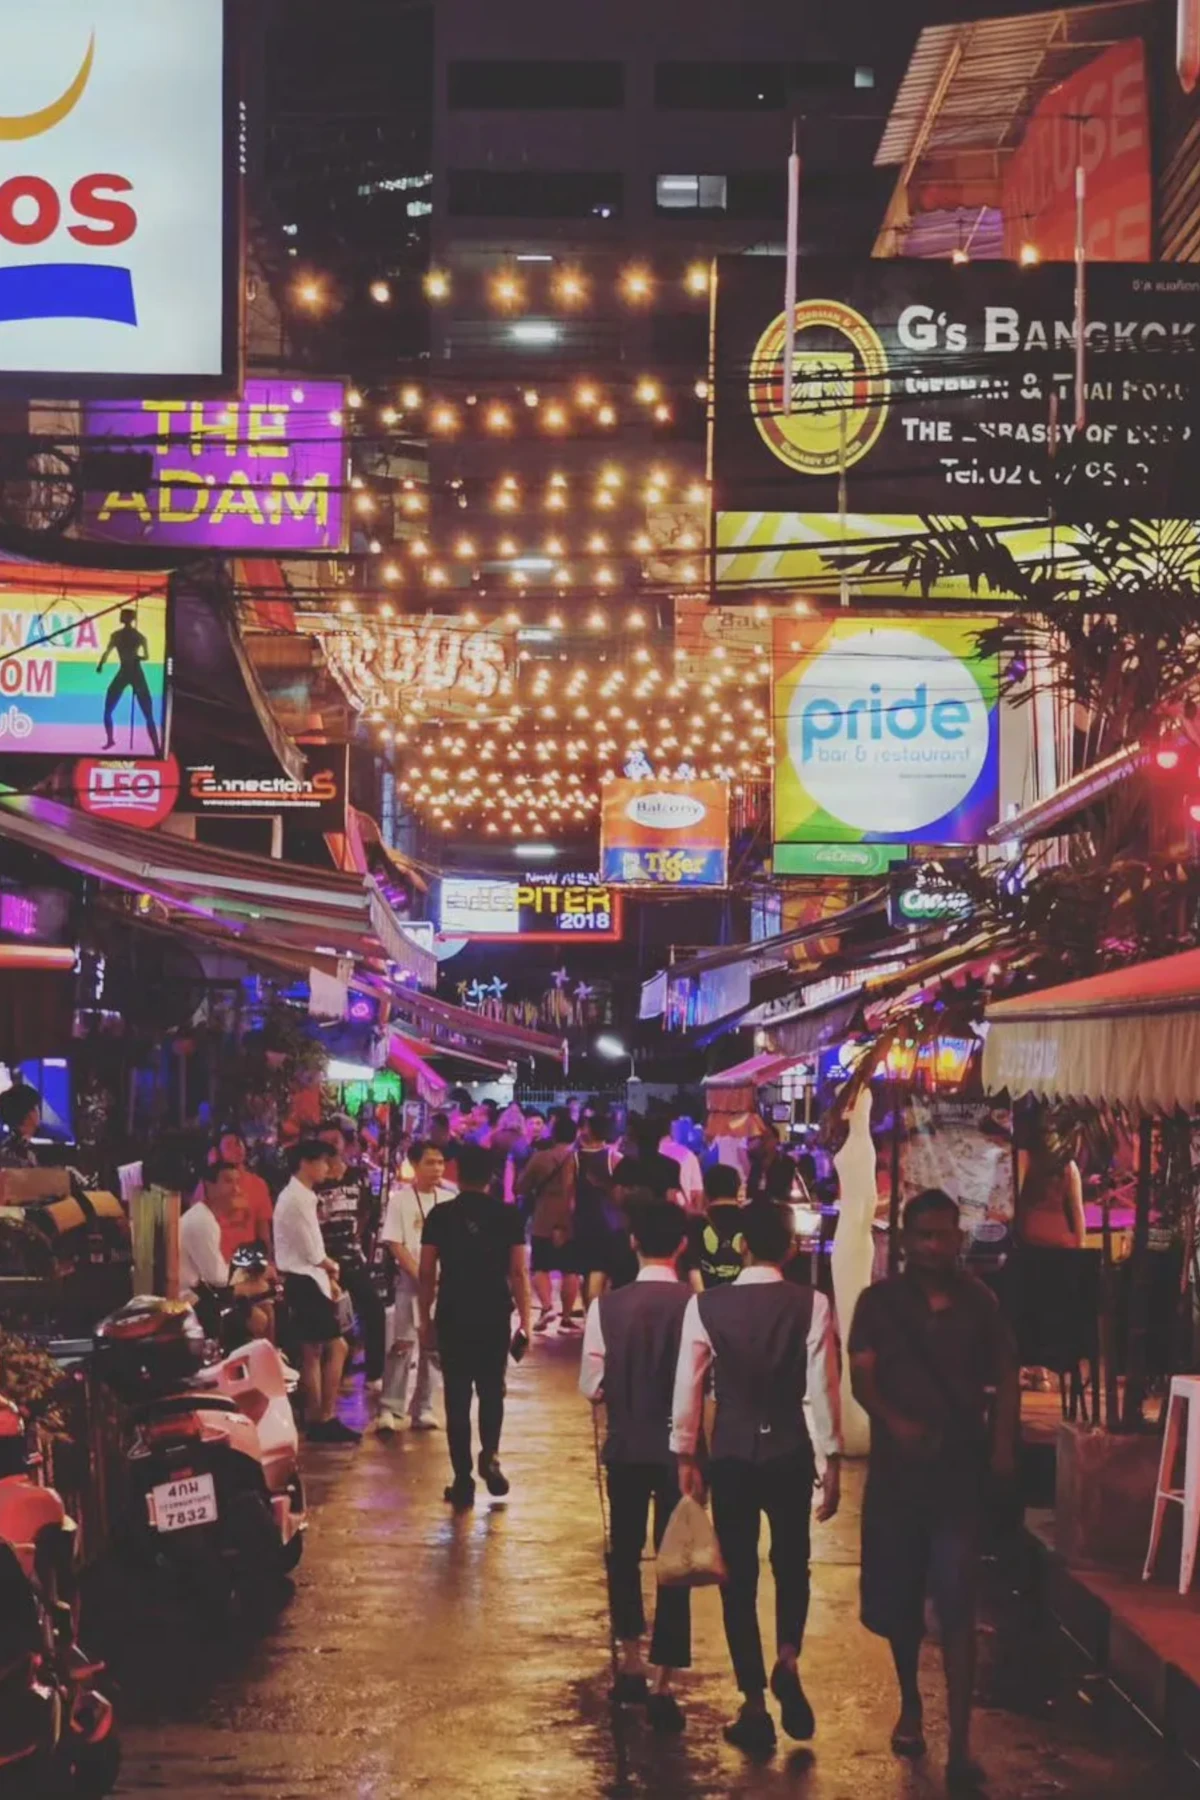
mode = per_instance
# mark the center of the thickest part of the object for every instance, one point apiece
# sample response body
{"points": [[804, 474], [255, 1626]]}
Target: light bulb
{"points": [[437, 285], [380, 292]]}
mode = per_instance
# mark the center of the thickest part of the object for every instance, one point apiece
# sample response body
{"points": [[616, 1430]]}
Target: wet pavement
{"points": [[423, 1656]]}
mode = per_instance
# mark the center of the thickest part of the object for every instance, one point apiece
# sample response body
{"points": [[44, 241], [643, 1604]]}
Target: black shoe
{"points": [[461, 1495], [568, 1322], [332, 1431], [494, 1479], [753, 1732], [543, 1322], [796, 1715], [664, 1713], [964, 1776], [630, 1690]]}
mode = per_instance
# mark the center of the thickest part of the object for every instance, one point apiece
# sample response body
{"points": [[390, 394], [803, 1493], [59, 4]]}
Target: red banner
{"points": [[1099, 116]]}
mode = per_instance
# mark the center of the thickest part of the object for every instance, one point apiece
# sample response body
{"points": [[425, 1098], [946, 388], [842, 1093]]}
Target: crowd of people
{"points": [[717, 1365]]}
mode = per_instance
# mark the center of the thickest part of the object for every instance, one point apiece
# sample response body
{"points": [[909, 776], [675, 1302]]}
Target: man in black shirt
{"points": [[926, 1347], [646, 1166], [772, 1174], [474, 1265], [344, 1207], [715, 1241]]}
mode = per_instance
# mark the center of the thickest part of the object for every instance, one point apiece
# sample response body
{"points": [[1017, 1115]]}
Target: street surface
{"points": [[423, 1656]]}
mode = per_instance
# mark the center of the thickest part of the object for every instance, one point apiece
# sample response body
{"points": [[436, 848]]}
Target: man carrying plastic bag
{"points": [[630, 1351]]}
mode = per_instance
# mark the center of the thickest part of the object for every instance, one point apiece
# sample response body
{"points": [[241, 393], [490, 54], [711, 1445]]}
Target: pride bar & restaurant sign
{"points": [[887, 730]]}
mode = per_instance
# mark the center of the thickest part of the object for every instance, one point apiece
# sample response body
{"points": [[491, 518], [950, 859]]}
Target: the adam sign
{"points": [[886, 730], [112, 189]]}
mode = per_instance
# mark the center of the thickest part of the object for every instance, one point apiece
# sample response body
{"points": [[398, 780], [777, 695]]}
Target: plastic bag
{"points": [[689, 1555]]}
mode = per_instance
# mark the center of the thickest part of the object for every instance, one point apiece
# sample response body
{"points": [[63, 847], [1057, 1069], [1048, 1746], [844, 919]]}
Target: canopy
{"points": [[1130, 1037]]}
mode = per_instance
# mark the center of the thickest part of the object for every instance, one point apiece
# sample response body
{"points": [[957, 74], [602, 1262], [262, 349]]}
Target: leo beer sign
{"points": [[669, 833], [118, 241], [127, 792]]}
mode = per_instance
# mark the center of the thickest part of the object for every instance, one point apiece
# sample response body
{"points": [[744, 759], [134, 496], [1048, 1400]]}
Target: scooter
{"points": [[57, 1730], [214, 1462]]}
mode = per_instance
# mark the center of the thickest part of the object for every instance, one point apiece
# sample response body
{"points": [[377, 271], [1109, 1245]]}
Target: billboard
{"points": [[319, 794], [83, 662], [118, 241], [1098, 117], [886, 731], [940, 389], [264, 474], [535, 909], [669, 834], [450, 664]]}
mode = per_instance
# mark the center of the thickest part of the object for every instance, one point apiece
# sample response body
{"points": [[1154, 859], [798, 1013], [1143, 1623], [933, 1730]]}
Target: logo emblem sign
{"points": [[127, 792], [840, 388]]}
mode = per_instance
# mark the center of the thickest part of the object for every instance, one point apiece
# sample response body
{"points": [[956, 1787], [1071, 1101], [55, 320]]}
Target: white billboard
{"points": [[113, 189]]}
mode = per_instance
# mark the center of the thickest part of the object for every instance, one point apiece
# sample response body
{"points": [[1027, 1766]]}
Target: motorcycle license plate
{"points": [[178, 1505]]}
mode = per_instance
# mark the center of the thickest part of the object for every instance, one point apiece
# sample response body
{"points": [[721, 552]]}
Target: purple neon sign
{"points": [[264, 474]]}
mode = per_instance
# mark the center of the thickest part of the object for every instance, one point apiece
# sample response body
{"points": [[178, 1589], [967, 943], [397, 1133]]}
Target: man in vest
{"points": [[769, 1344], [630, 1352]]}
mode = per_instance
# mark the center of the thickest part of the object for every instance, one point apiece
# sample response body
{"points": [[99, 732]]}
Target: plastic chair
{"points": [[1183, 1420]]}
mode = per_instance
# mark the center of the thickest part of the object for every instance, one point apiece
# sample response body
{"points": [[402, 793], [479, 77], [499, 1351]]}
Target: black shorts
{"points": [[917, 1542], [547, 1257], [608, 1253], [313, 1314]]}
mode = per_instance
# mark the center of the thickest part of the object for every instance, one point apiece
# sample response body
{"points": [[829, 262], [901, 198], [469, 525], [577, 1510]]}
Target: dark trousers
{"points": [[470, 1367], [741, 1493], [631, 1487], [371, 1313]]}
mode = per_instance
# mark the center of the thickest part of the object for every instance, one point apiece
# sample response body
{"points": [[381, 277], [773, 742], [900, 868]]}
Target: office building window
{"points": [[690, 193], [518, 86], [749, 86], [759, 194], [534, 194]]}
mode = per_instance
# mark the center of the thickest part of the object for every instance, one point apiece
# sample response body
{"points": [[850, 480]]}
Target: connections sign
{"points": [[83, 662], [115, 258], [933, 388], [266, 473], [886, 731], [669, 834]]}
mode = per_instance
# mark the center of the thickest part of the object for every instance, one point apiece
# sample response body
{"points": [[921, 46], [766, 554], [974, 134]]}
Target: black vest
{"points": [[759, 1334], [642, 1325]]}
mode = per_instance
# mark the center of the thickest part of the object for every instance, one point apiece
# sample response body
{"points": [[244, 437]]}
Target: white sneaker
{"points": [[386, 1423], [426, 1422]]}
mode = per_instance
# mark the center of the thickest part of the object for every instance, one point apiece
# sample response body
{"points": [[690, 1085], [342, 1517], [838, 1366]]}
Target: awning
{"points": [[754, 1072], [450, 1028], [248, 899], [817, 1027], [1129, 1037], [1047, 816], [963, 107]]}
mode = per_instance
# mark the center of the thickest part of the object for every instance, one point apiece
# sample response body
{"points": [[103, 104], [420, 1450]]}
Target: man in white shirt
{"points": [[769, 1344], [201, 1260], [409, 1205], [310, 1289], [691, 1180]]}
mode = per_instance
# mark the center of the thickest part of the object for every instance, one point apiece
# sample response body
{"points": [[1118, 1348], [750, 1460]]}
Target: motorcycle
{"points": [[214, 1462], [57, 1729]]}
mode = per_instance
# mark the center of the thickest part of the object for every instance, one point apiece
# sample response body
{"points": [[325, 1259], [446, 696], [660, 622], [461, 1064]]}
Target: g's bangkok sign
{"points": [[266, 473], [887, 730], [114, 255]]}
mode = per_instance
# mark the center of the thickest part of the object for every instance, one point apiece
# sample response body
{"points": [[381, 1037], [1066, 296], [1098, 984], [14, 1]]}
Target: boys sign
{"points": [[886, 731]]}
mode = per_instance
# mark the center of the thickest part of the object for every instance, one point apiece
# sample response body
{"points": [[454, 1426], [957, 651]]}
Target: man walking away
{"points": [[630, 1353], [547, 1185], [473, 1262], [409, 1205], [769, 1344], [925, 1348], [715, 1241], [308, 1283]]}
